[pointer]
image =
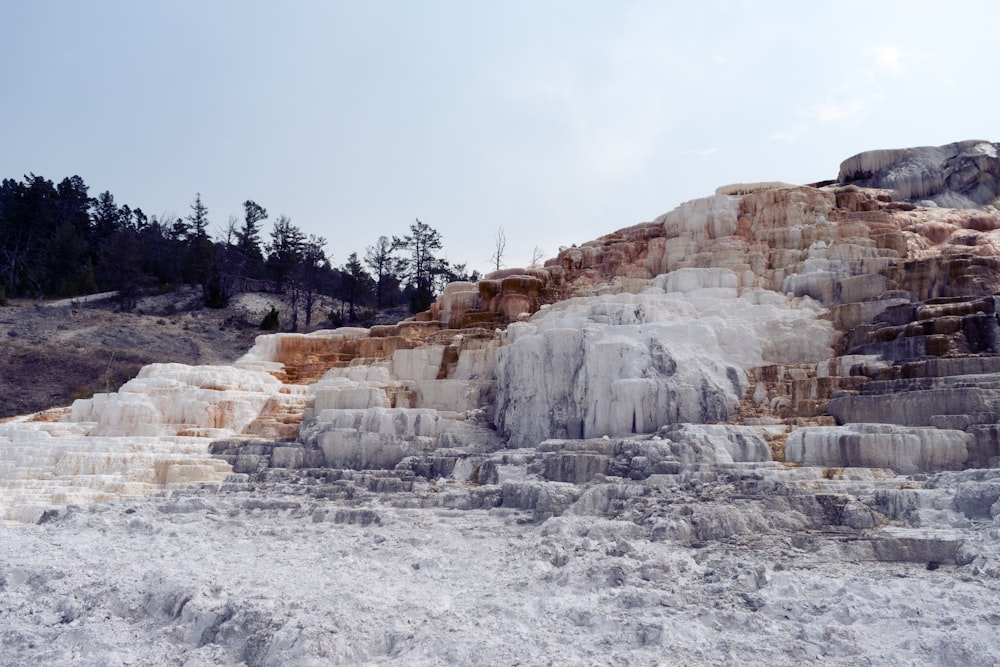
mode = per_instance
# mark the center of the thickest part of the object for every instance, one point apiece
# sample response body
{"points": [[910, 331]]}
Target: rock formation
{"points": [[768, 305], [965, 174], [773, 359]]}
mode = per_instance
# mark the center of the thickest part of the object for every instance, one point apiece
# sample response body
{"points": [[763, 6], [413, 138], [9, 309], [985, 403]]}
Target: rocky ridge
{"points": [[776, 374]]}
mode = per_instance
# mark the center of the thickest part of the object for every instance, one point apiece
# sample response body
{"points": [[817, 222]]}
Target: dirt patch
{"points": [[36, 377], [51, 355]]}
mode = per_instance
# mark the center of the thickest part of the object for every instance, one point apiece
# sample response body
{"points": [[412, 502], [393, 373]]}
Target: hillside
{"points": [[55, 353]]}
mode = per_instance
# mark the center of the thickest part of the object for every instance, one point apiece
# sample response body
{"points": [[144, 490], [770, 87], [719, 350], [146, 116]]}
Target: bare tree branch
{"points": [[499, 246]]}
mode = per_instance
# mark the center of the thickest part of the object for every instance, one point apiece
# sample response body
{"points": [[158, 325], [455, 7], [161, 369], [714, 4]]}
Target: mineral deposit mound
{"points": [[762, 429]]}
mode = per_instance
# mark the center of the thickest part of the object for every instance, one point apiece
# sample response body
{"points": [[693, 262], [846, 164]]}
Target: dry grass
{"points": [[50, 356]]}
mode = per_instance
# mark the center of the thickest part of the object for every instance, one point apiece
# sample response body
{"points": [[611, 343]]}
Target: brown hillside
{"points": [[51, 354]]}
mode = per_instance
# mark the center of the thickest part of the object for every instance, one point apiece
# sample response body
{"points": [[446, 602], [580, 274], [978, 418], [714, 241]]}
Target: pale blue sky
{"points": [[559, 120]]}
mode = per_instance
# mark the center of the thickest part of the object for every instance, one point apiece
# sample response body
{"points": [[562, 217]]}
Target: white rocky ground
{"points": [[243, 577]]}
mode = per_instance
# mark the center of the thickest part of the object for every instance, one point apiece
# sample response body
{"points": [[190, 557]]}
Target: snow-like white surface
{"points": [[153, 433], [43, 468], [630, 363], [904, 449], [165, 398], [273, 580]]}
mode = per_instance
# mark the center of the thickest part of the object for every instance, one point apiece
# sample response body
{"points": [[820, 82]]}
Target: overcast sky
{"points": [[558, 120]]}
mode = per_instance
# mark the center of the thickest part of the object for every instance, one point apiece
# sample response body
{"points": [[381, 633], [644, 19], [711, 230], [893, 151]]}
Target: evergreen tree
{"points": [[198, 218], [385, 267], [284, 253], [139, 219], [106, 216], [244, 259], [217, 285], [161, 257], [43, 234], [68, 269], [74, 205], [24, 225], [198, 251], [248, 236], [422, 268], [120, 266], [459, 272], [313, 273], [180, 231], [355, 285]]}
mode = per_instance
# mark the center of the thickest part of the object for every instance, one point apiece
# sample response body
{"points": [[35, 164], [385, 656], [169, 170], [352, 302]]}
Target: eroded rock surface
{"points": [[965, 174], [723, 411]]}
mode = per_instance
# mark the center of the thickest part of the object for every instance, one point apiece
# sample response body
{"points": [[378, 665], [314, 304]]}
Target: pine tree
{"points": [[385, 269], [248, 238], [355, 284], [198, 218], [422, 269], [199, 252], [285, 251], [313, 273]]}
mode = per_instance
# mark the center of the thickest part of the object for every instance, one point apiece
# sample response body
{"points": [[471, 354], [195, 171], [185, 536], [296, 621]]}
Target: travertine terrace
{"points": [[769, 376]]}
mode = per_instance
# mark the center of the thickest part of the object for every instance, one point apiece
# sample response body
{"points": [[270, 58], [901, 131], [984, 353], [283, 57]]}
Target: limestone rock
{"points": [[905, 450], [965, 174], [627, 363], [730, 330]]}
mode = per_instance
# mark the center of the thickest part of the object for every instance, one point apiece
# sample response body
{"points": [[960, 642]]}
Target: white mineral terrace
{"points": [[763, 429], [618, 363]]}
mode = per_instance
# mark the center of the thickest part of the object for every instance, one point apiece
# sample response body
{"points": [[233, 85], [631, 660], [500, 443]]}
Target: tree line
{"points": [[58, 241]]}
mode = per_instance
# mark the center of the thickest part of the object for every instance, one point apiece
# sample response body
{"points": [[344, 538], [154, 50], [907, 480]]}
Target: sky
{"points": [[556, 121]]}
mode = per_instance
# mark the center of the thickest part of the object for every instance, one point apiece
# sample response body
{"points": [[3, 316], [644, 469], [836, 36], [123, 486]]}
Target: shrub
{"points": [[216, 297], [270, 321], [367, 317]]}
